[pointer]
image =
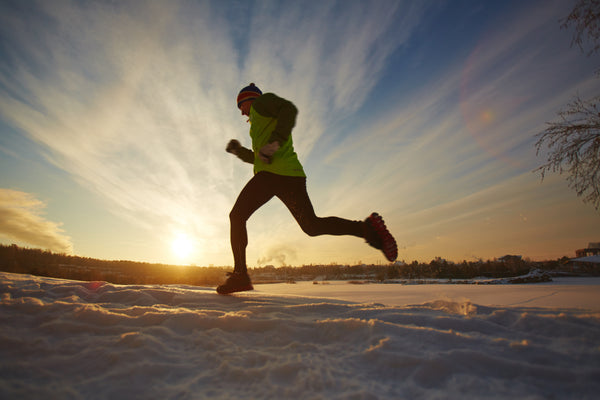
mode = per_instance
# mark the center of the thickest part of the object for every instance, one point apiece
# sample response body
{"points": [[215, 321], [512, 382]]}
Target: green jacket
{"points": [[272, 119]]}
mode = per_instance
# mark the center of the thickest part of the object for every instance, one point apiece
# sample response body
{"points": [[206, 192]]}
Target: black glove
{"points": [[233, 146]]}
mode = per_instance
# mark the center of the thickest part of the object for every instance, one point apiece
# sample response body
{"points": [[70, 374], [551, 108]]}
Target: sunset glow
{"points": [[114, 119], [182, 246]]}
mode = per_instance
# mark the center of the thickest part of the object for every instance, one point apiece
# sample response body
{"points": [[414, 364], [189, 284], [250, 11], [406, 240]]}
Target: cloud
{"points": [[471, 124], [137, 103], [131, 103], [458, 148], [326, 56], [22, 221]]}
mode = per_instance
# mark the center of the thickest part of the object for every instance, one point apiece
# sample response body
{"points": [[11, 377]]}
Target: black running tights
{"points": [[292, 192]]}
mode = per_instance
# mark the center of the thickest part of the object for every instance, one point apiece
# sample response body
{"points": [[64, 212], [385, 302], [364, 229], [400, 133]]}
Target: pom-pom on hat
{"points": [[250, 92]]}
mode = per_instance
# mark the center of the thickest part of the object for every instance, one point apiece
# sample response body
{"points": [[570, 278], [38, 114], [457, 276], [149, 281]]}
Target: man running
{"points": [[278, 172]]}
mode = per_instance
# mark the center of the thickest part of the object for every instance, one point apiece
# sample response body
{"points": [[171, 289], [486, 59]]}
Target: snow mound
{"points": [[93, 340]]}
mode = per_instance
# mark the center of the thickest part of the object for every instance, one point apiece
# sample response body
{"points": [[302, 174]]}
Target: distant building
{"points": [[510, 258], [593, 249]]}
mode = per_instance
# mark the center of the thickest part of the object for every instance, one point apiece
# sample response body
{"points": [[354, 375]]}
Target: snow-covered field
{"points": [[64, 339]]}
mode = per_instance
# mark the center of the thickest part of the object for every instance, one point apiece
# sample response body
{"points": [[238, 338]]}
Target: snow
{"points": [[94, 340], [561, 293]]}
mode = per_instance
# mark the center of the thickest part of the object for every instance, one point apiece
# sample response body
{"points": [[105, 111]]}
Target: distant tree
{"points": [[393, 272], [574, 140]]}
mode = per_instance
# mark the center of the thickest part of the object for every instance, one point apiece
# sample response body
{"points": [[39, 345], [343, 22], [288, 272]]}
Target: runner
{"points": [[278, 172]]}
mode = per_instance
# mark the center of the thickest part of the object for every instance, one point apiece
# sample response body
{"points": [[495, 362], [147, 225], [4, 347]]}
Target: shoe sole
{"points": [[240, 289]]}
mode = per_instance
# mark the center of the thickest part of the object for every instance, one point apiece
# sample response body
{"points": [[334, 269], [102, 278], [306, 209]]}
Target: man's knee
{"points": [[235, 216], [311, 229]]}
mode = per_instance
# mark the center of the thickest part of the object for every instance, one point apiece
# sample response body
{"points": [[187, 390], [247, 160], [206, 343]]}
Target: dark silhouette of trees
{"points": [[44, 263], [573, 141], [585, 16]]}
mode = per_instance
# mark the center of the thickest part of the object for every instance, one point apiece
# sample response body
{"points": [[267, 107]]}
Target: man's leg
{"points": [[292, 191], [257, 192]]}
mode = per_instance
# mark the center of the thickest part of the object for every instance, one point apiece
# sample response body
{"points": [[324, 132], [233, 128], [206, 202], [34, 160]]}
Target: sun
{"points": [[182, 246]]}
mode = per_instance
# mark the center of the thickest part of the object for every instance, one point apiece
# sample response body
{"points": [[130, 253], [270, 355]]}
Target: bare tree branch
{"points": [[586, 18], [574, 148], [573, 142]]}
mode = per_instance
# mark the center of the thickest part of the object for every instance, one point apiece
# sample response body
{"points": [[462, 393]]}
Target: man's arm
{"points": [[244, 154], [273, 106]]}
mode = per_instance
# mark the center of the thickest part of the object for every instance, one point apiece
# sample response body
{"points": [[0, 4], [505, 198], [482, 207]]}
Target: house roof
{"points": [[590, 259]]}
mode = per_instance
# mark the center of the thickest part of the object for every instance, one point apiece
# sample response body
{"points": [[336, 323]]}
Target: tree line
{"points": [[438, 268], [45, 263]]}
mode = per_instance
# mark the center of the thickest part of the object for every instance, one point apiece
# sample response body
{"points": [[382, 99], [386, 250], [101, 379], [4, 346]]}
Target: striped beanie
{"points": [[250, 92]]}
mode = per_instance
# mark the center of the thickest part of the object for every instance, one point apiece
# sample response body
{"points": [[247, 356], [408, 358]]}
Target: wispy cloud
{"points": [[475, 121], [326, 56], [21, 220], [137, 103], [458, 151], [126, 100]]}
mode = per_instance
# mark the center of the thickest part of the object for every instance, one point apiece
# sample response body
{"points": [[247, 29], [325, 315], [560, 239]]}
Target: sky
{"points": [[114, 117]]}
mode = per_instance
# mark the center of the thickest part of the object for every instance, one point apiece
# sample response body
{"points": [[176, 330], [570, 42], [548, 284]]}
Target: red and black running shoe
{"points": [[378, 236]]}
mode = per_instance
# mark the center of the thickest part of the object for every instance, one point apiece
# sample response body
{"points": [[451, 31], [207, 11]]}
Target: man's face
{"points": [[245, 107]]}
